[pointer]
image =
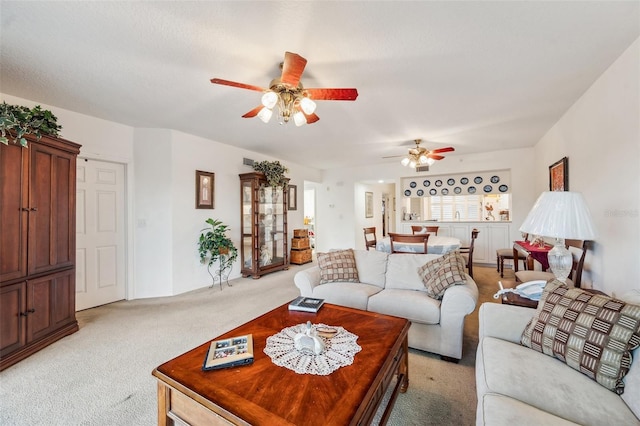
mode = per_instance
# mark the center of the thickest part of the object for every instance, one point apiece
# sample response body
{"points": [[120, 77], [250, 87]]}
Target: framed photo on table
{"points": [[368, 204], [204, 189], [293, 197], [559, 175]]}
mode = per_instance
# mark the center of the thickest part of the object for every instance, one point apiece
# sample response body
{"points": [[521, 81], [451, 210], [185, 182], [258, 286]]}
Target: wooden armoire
{"points": [[37, 245]]}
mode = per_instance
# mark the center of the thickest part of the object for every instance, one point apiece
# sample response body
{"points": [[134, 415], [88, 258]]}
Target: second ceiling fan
{"points": [[420, 156], [288, 94]]}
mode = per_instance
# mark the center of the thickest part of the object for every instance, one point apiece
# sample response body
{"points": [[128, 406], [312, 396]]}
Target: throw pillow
{"points": [[440, 274], [338, 266], [591, 333]]}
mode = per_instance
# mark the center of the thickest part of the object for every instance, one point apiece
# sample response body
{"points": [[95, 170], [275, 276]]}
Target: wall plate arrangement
{"points": [[460, 184]]}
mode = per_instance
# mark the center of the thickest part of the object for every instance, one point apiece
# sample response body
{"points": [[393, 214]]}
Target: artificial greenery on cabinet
{"points": [[274, 172], [17, 121]]}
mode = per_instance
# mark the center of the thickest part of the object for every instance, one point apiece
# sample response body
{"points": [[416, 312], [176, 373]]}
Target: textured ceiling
{"points": [[479, 76]]}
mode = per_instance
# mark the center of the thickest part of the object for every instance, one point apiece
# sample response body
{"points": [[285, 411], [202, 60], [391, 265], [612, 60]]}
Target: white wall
{"points": [[600, 134]]}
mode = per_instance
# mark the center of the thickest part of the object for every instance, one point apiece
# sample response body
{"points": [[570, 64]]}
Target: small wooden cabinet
{"points": [[300, 247], [37, 245], [263, 246]]}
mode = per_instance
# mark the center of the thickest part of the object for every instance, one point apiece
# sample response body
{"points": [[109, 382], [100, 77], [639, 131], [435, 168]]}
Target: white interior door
{"points": [[100, 233]]}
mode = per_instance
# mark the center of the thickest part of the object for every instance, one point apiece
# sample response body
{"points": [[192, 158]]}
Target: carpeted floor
{"points": [[101, 375]]}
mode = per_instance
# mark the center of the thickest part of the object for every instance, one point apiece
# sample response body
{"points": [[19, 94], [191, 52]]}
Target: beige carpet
{"points": [[101, 375]]}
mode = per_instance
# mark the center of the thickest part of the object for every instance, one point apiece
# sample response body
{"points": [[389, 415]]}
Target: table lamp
{"points": [[560, 215]]}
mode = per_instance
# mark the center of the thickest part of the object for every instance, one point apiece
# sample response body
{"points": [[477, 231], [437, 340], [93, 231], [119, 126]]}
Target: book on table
{"points": [[231, 352], [306, 304]]}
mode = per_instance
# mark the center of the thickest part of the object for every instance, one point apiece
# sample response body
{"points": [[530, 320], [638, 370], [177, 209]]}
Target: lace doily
{"points": [[339, 351]]}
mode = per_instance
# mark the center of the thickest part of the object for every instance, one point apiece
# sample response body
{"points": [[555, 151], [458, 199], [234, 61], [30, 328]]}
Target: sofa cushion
{"points": [[591, 333], [372, 266], [353, 295], [402, 270], [416, 306], [501, 410], [631, 393], [440, 274], [339, 265], [544, 382]]}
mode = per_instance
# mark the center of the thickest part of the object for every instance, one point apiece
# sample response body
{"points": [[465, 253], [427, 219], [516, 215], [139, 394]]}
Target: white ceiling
{"points": [[479, 76]]}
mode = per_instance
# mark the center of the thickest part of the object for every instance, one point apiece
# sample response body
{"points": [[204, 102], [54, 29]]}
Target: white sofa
{"points": [[517, 385], [390, 284]]}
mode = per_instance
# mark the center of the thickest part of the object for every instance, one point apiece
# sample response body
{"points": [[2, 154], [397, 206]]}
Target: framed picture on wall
{"points": [[204, 190], [293, 197], [368, 204], [559, 175]]}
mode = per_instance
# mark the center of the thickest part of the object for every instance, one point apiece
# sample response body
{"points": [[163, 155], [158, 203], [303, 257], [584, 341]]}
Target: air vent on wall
{"points": [[422, 168], [248, 161]]}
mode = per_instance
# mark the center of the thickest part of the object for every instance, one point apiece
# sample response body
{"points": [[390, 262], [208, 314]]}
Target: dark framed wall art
{"points": [[368, 204], [204, 190], [559, 175], [293, 197]]}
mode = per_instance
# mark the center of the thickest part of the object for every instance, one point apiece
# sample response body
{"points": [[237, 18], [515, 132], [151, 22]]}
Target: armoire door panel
{"points": [[12, 306]]}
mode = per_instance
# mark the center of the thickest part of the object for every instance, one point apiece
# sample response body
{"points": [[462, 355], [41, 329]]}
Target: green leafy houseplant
{"points": [[214, 245], [274, 172], [17, 121]]}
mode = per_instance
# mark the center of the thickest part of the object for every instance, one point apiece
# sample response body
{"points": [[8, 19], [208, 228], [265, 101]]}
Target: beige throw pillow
{"points": [[441, 273], [338, 266], [591, 333]]}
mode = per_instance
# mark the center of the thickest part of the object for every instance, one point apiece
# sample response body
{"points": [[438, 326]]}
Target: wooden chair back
{"points": [[578, 249], [467, 252], [370, 237], [418, 229], [408, 238]]}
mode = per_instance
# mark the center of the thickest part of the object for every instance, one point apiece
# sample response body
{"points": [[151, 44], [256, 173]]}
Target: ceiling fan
{"points": [[287, 92], [420, 156]]}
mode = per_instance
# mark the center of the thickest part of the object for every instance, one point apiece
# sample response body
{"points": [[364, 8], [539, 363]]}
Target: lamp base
{"points": [[560, 260]]}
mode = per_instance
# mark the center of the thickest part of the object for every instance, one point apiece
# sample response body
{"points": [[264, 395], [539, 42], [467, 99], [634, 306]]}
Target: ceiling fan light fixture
{"points": [[405, 161], [299, 118], [430, 161], [307, 105], [412, 163], [265, 115], [423, 159], [270, 99]]}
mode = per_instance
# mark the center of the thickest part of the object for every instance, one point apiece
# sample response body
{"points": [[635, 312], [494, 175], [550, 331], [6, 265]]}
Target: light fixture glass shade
{"points": [[307, 105], [299, 118], [412, 163], [269, 99], [265, 115], [561, 215], [405, 161], [423, 159], [430, 161]]}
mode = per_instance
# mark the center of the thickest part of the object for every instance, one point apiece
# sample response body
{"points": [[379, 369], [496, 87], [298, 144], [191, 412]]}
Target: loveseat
{"points": [[390, 284], [519, 385]]}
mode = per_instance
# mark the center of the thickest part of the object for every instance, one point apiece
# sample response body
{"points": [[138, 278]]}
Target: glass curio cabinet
{"points": [[264, 226]]}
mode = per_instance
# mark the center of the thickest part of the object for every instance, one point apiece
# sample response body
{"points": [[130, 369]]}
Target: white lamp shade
{"points": [[265, 115], [299, 118], [307, 105], [269, 99], [560, 214]]}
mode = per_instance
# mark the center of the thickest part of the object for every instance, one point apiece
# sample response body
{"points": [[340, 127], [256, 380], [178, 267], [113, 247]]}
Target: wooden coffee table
{"points": [[265, 394]]}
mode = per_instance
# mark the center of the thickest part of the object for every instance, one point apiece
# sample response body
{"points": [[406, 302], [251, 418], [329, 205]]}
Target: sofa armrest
{"points": [[504, 322], [459, 300], [306, 280]]}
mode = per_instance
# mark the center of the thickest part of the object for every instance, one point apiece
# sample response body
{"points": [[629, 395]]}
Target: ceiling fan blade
{"points": [[311, 118], [393, 156], [235, 84], [435, 157], [253, 112], [292, 68], [439, 150], [333, 94]]}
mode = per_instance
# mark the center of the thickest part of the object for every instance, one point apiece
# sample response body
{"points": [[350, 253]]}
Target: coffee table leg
{"points": [[404, 366]]}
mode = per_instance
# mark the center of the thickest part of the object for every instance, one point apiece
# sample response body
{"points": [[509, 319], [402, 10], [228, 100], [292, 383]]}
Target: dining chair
{"points": [[418, 229], [578, 249], [408, 239], [507, 254], [467, 252], [370, 237]]}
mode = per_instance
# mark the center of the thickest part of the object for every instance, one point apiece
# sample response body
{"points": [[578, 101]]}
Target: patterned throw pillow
{"points": [[441, 273], [338, 266], [591, 333]]}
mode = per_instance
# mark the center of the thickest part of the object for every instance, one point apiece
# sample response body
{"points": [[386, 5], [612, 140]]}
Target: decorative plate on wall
{"points": [[472, 190], [503, 188], [420, 193], [438, 182], [477, 179], [451, 181], [445, 191], [426, 182], [495, 179], [464, 181], [432, 191], [487, 188], [457, 190], [407, 193]]}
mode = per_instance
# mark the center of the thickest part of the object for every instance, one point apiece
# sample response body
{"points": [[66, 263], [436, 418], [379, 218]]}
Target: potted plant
{"points": [[214, 245], [17, 121], [274, 172]]}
